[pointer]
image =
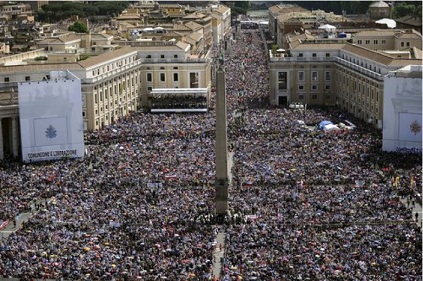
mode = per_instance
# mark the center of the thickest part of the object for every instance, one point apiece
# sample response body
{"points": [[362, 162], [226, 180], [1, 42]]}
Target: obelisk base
{"points": [[221, 199]]}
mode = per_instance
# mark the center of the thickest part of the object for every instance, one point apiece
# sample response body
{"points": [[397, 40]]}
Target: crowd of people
{"points": [[306, 205]]}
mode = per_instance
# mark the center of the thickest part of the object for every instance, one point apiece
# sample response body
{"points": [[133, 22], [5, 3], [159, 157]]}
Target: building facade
{"points": [[110, 86], [344, 75], [172, 67]]}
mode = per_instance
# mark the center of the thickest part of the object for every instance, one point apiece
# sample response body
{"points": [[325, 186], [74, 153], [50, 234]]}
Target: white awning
{"points": [[328, 27], [389, 22]]}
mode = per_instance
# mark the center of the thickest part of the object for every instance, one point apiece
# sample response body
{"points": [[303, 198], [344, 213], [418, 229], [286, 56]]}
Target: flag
{"points": [[412, 182], [396, 184]]}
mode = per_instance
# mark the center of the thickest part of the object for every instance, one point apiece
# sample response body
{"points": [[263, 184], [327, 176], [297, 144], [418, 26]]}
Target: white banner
{"points": [[50, 131], [51, 118], [410, 127]]}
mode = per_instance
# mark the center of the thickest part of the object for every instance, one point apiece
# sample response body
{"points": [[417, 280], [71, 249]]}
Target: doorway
{"points": [[283, 101]]}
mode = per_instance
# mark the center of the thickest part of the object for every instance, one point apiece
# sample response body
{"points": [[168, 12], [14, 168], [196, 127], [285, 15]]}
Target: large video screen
{"points": [[51, 119]]}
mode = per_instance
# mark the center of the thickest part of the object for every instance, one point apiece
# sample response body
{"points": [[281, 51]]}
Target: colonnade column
{"points": [[15, 140], [1, 141]]}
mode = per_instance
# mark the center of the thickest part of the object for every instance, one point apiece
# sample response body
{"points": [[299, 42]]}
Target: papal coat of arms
{"points": [[51, 132], [415, 127]]}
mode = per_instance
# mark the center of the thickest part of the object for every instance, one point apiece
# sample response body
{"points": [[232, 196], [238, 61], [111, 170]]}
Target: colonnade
{"points": [[9, 137]]}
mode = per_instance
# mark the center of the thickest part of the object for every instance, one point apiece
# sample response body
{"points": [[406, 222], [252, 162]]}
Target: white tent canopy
{"points": [[389, 22], [328, 27]]}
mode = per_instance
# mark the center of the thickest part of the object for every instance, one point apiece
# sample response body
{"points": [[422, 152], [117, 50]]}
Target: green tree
{"points": [[235, 11], [78, 27], [274, 48], [245, 5], [405, 9], [59, 10]]}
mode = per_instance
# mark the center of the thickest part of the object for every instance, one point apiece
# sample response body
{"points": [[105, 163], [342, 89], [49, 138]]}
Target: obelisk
{"points": [[222, 175]]}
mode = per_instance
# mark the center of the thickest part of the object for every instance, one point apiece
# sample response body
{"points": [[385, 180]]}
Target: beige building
{"points": [[16, 9], [81, 43], [116, 82], [172, 67], [110, 86], [221, 22], [345, 75], [321, 65], [388, 39], [117, 77], [298, 22], [277, 10]]}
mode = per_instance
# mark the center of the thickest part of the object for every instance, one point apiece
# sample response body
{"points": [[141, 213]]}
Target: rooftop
{"points": [[104, 57]]}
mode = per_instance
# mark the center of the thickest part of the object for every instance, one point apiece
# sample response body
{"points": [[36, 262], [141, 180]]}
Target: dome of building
{"points": [[379, 4]]}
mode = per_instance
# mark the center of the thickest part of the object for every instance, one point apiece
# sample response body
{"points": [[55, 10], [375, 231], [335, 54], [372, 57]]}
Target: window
{"points": [[148, 56], [327, 55], [175, 77], [383, 41], [327, 87], [6, 79], [314, 87], [300, 87], [162, 56], [149, 89], [300, 97], [375, 42], [300, 75], [314, 97], [402, 44], [359, 42], [327, 75], [282, 80], [27, 78], [407, 44], [175, 56], [367, 42], [314, 55], [300, 55], [149, 77], [314, 75], [175, 67], [193, 80], [162, 77]]}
